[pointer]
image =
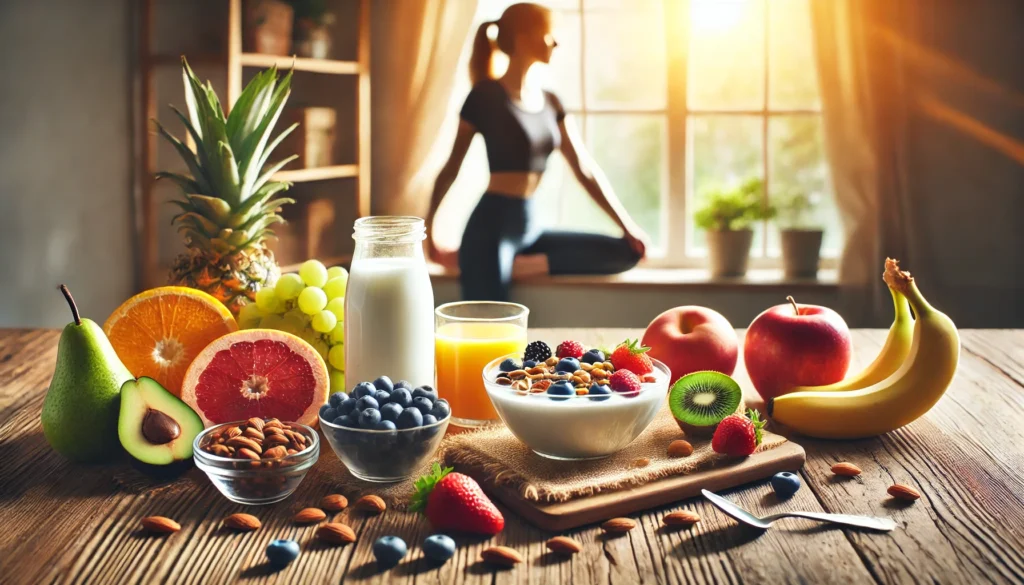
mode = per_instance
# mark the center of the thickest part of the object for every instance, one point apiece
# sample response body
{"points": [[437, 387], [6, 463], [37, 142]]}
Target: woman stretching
{"points": [[521, 125]]}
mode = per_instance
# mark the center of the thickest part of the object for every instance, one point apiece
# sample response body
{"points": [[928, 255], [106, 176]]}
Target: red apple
{"points": [[690, 339], [796, 345]]}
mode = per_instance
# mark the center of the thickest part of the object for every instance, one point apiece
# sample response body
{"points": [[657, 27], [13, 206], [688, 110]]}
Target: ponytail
{"points": [[483, 54]]}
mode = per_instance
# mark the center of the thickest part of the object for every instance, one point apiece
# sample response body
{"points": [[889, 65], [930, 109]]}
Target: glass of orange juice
{"points": [[467, 336]]}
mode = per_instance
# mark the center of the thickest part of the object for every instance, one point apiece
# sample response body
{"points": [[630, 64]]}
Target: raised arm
{"points": [[597, 186], [445, 178]]}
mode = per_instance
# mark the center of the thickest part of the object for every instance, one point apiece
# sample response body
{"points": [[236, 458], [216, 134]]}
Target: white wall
{"points": [[65, 158]]}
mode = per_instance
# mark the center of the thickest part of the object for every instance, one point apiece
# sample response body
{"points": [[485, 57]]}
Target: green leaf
{"points": [[198, 220], [215, 208], [229, 184], [253, 146], [186, 183], [254, 204], [277, 141], [270, 172], [251, 106], [187, 76], [186, 155], [259, 223], [425, 485]]}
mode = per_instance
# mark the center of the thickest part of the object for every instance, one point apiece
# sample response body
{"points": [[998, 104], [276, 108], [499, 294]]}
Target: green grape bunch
{"points": [[309, 304]]}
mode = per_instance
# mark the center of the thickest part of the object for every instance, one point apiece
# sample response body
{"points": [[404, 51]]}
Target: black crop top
{"points": [[516, 140]]}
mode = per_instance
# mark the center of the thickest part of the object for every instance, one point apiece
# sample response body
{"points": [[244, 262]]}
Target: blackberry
{"points": [[537, 351]]}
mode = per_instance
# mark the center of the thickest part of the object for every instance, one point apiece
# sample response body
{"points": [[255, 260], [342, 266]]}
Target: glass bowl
{"points": [[580, 426], [384, 456], [257, 482]]}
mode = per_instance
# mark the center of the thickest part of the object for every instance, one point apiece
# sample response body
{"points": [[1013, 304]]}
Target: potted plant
{"points": [[268, 27], [312, 21], [801, 233], [726, 216]]}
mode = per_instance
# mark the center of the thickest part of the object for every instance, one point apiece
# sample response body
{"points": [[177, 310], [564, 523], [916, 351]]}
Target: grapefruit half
{"points": [[256, 372]]}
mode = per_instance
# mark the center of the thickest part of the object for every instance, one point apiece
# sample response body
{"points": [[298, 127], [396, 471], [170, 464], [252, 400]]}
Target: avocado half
{"points": [[155, 427]]}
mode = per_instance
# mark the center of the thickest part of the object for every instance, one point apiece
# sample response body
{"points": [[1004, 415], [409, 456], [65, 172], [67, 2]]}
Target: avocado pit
{"points": [[158, 428]]}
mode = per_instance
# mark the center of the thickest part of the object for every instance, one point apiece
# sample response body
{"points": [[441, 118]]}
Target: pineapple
{"points": [[228, 202]]}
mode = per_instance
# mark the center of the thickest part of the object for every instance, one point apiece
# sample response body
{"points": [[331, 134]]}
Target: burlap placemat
{"points": [[496, 454]]}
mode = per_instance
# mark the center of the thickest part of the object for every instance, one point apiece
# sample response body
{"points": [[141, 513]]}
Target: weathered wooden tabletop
{"points": [[61, 522]]}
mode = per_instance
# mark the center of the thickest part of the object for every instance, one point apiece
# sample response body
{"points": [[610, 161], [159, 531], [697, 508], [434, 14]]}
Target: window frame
{"points": [[677, 190]]}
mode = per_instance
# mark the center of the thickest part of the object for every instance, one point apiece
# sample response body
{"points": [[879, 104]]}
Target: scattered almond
{"points": [[160, 525], [681, 518], [638, 463], [845, 469], [618, 525], [563, 545], [680, 448], [903, 492], [334, 503], [245, 522], [336, 533], [372, 504], [309, 516], [501, 555]]}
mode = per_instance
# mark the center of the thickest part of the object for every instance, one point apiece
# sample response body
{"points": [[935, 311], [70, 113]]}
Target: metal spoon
{"points": [[869, 522]]}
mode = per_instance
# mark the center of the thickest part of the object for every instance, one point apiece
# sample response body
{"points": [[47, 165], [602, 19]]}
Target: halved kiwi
{"points": [[699, 401]]}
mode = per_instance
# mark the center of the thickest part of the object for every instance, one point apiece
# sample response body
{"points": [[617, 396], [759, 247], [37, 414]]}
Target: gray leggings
{"points": [[502, 227]]}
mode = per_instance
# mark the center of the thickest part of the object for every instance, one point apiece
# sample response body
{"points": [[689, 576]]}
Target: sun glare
{"points": [[717, 16]]}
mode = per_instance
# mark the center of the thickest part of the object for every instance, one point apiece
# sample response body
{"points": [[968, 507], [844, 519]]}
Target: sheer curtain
{"points": [[864, 104], [416, 50]]}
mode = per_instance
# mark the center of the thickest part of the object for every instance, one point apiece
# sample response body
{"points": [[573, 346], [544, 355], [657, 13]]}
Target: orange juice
{"points": [[461, 351]]}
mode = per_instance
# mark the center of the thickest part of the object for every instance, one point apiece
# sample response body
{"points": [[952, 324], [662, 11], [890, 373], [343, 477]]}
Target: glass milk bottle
{"points": [[389, 304]]}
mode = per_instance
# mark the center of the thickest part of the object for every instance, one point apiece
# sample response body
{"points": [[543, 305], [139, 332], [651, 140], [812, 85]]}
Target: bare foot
{"points": [[530, 265]]}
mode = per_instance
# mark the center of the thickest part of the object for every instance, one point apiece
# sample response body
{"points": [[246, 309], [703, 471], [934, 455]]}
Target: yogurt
{"points": [[389, 321]]}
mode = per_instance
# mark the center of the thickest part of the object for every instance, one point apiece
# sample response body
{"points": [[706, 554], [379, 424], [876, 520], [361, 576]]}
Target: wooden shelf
{"points": [[328, 262], [194, 59], [317, 174], [330, 66]]}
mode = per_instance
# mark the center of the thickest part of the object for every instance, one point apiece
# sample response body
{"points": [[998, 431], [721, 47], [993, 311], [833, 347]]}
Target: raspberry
{"points": [[569, 348]]}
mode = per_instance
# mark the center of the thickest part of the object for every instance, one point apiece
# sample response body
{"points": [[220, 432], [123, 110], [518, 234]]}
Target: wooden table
{"points": [[68, 523]]}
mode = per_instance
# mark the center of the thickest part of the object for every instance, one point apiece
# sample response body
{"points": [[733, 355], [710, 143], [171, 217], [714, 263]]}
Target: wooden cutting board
{"points": [[561, 516]]}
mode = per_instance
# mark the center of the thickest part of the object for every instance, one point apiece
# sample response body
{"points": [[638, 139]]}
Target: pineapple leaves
{"points": [[190, 99], [252, 152], [277, 166], [196, 220], [186, 155], [255, 203], [229, 190], [187, 184], [251, 106], [213, 207]]}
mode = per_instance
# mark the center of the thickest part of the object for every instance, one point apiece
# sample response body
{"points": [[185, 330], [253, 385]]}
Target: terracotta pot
{"points": [[268, 27], [801, 250], [729, 252]]}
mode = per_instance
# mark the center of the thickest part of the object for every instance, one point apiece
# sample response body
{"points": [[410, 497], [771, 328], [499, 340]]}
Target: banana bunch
{"points": [[910, 374]]}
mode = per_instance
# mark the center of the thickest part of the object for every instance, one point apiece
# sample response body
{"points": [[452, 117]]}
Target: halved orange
{"points": [[158, 332]]}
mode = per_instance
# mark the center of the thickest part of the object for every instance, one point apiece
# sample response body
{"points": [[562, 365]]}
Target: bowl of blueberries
{"points": [[385, 431]]}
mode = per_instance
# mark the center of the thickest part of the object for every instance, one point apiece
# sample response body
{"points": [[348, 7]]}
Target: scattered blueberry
{"points": [[438, 548], [363, 389], [390, 411], [337, 398], [423, 403], [593, 356], [389, 550], [366, 402], [402, 384], [346, 406], [384, 425], [426, 392], [599, 391], [281, 552], [785, 484], [382, 396], [410, 418], [441, 409], [567, 365], [402, 397], [384, 383], [509, 365], [528, 364], [429, 419], [328, 413], [369, 418], [561, 390]]}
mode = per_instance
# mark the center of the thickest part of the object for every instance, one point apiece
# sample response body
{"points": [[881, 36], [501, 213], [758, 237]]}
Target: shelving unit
{"points": [[235, 63]]}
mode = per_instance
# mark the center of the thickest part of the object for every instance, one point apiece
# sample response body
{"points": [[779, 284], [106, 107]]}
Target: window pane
{"points": [[564, 74], [724, 151], [797, 166], [458, 204], [726, 57], [630, 150], [793, 78], [625, 56]]}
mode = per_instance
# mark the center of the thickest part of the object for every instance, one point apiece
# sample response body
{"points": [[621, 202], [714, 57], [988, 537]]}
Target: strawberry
{"points": [[569, 348], [625, 382], [630, 355], [453, 501], [738, 435]]}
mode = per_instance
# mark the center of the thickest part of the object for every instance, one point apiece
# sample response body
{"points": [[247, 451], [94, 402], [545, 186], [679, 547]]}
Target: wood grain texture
{"points": [[66, 523]]}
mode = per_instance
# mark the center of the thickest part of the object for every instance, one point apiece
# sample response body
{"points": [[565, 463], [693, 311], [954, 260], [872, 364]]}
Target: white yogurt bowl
{"points": [[576, 427]]}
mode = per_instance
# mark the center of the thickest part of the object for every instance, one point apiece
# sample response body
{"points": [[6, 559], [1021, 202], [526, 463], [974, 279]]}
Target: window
{"points": [[674, 97]]}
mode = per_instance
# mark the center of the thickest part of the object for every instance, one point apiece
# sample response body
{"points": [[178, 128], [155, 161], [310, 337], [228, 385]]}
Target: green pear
{"points": [[81, 407]]}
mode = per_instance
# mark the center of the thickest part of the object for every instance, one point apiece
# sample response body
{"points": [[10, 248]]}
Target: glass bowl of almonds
{"points": [[257, 461]]}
